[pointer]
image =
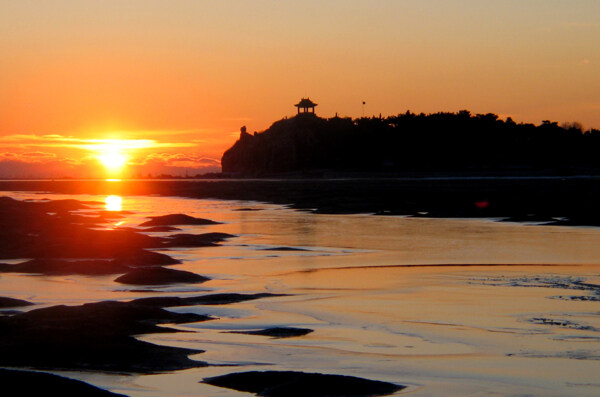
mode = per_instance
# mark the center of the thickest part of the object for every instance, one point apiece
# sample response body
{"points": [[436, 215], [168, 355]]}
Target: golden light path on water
{"points": [[113, 203]]}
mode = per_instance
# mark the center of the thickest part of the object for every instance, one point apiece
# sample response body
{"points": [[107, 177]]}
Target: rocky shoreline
{"points": [[54, 238]]}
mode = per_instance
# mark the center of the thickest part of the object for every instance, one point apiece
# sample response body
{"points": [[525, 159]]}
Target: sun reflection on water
{"points": [[113, 203]]}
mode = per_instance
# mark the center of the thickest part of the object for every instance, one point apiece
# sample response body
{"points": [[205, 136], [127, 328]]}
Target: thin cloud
{"points": [[38, 154], [180, 160], [60, 141]]}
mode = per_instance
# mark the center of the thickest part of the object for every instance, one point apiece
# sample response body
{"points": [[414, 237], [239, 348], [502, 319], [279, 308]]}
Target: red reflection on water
{"points": [[482, 204]]}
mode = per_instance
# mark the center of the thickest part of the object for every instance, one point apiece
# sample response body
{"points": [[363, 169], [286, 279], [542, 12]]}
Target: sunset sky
{"points": [[164, 86]]}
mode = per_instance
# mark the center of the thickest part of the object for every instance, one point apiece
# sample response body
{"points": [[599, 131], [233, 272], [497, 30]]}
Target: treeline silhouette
{"points": [[438, 142]]}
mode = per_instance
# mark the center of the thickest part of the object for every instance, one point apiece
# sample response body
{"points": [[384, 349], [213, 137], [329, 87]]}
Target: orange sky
{"points": [[185, 75]]}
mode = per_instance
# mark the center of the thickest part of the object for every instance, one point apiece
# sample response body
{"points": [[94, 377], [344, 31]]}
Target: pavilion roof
{"points": [[305, 103]]}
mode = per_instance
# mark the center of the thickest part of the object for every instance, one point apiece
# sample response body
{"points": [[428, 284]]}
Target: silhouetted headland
{"points": [[454, 143]]}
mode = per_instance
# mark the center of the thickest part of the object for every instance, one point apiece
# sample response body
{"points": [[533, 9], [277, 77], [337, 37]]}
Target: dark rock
{"points": [[146, 258], [99, 336], [122, 263], [563, 323], [57, 239], [159, 275], [9, 312], [11, 302], [196, 240], [277, 332], [162, 229], [292, 384], [584, 298], [213, 299], [283, 249], [94, 336], [177, 219], [28, 383], [64, 267]]}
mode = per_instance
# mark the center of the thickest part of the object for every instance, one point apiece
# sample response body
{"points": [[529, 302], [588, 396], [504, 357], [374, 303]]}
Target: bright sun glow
{"points": [[111, 153], [113, 203], [113, 160], [115, 154]]}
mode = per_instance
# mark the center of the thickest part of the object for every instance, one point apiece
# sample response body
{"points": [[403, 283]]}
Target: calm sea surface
{"points": [[446, 307]]}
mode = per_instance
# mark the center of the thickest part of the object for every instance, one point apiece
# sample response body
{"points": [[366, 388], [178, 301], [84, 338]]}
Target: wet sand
{"points": [[442, 306]]}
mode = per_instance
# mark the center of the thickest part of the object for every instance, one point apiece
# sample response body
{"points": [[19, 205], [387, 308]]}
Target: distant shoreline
{"points": [[565, 200], [327, 174]]}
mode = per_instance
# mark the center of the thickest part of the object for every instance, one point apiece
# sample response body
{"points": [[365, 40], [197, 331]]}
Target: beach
{"points": [[433, 305]]}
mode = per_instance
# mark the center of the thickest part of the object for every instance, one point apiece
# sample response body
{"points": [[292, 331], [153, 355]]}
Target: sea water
{"points": [[444, 306]]}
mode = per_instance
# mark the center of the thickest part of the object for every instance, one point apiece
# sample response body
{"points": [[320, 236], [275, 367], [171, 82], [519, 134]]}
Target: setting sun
{"points": [[113, 153], [113, 160]]}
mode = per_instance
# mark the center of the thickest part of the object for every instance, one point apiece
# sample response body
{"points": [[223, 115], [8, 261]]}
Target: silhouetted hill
{"points": [[413, 142]]}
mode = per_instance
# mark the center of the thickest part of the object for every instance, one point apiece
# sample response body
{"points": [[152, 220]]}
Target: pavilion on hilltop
{"points": [[306, 105]]}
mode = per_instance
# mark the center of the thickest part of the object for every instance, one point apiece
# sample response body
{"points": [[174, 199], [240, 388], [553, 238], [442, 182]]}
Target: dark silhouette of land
{"points": [[568, 200], [422, 143]]}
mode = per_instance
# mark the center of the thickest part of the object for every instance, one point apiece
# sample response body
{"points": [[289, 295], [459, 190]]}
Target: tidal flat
{"points": [[420, 305]]}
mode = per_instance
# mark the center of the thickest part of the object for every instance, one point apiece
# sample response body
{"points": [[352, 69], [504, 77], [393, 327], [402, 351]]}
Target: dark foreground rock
{"points": [[277, 332], [284, 249], [94, 336], [27, 383], [159, 276], [161, 229], [196, 240], [61, 242], [100, 336], [64, 267], [11, 302], [213, 299], [146, 258], [296, 384], [98, 267], [177, 219]]}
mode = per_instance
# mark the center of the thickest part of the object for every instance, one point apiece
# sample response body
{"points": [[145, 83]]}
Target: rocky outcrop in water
{"points": [[159, 276], [100, 336], [277, 332], [293, 383]]}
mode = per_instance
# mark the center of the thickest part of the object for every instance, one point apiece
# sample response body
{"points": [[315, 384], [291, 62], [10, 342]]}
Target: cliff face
{"points": [[300, 143]]}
